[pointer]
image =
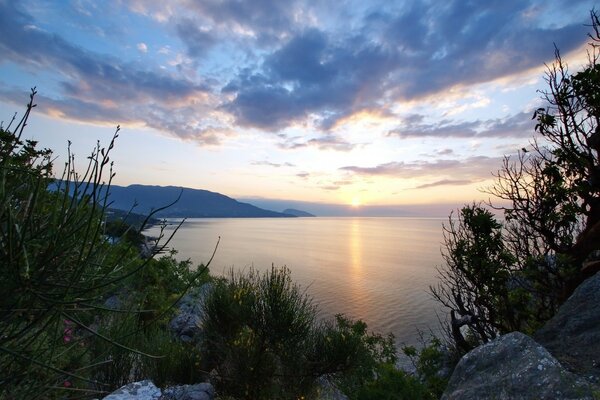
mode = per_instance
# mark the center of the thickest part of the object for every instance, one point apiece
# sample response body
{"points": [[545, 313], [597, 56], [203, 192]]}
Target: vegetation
{"points": [[87, 313], [263, 340], [57, 336], [90, 314], [501, 277]]}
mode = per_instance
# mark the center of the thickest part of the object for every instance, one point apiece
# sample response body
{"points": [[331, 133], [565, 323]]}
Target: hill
{"points": [[193, 203], [297, 213]]}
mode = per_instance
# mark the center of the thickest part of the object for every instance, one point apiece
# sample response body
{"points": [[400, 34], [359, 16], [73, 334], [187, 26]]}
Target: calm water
{"points": [[375, 269]]}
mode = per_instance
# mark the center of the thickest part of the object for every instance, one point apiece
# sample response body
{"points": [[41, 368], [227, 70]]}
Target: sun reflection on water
{"points": [[360, 295]]}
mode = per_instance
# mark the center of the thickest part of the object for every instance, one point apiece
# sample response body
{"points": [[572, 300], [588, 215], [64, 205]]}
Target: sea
{"points": [[375, 269]]}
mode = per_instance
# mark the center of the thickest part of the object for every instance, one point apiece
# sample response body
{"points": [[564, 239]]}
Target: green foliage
{"points": [[161, 282], [118, 228], [388, 382], [58, 266], [554, 190], [158, 355], [263, 341], [500, 278], [393, 384], [255, 328], [358, 353], [429, 362], [475, 283]]}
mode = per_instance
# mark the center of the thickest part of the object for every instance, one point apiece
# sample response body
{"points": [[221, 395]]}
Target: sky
{"points": [[358, 103]]}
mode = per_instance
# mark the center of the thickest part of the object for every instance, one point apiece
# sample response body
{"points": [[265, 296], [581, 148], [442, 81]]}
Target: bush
{"points": [[263, 341], [501, 278], [59, 267], [144, 352]]}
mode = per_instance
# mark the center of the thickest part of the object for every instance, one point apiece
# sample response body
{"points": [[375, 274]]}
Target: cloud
{"points": [[265, 21], [399, 54], [290, 62], [330, 187], [101, 88], [272, 164], [518, 125], [197, 39], [309, 74], [445, 182], [325, 142], [142, 47], [472, 168]]}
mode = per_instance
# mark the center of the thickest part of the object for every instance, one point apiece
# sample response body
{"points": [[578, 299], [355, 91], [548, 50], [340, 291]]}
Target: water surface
{"points": [[375, 269]]}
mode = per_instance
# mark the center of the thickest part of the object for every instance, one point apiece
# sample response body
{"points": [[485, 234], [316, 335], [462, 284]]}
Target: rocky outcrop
{"points": [[564, 362], [514, 366], [573, 334], [328, 391], [200, 391], [187, 323], [146, 390]]}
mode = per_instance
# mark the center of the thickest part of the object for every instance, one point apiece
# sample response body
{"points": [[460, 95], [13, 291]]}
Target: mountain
{"points": [[297, 213], [193, 203]]}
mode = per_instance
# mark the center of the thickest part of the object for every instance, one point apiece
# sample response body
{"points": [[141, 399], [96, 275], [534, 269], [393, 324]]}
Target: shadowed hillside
{"points": [[193, 203]]}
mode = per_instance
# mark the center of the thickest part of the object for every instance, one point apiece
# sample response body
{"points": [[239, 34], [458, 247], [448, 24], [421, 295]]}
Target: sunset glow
{"points": [[405, 103]]}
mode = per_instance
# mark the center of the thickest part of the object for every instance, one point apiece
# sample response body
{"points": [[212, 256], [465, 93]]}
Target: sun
{"points": [[356, 202]]}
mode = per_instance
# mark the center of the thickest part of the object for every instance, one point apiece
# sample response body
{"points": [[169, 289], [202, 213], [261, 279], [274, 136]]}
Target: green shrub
{"points": [[263, 341], [514, 275], [255, 327], [392, 384], [158, 356], [58, 267]]}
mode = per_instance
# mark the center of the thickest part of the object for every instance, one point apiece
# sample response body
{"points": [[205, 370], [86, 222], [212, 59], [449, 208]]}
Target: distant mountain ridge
{"points": [[297, 213], [193, 203]]}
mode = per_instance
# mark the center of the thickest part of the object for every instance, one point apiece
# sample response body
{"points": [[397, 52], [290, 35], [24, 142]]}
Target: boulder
{"points": [[186, 325], [143, 390], [326, 390], [146, 390], [514, 366], [200, 391], [573, 334]]}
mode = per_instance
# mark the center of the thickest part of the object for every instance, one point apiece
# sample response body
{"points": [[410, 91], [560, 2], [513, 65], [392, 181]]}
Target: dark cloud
{"points": [[267, 19], [445, 182], [290, 71], [403, 54], [197, 40], [101, 88], [309, 75], [518, 125], [477, 167], [326, 142], [303, 60], [91, 75]]}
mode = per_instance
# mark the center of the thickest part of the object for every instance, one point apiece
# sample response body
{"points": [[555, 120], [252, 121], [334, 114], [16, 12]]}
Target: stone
{"points": [[187, 323], [573, 334], [514, 366], [143, 390], [200, 391], [326, 390]]}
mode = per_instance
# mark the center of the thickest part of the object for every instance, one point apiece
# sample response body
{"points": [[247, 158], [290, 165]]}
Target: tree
{"points": [[513, 276], [553, 219], [475, 283]]}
